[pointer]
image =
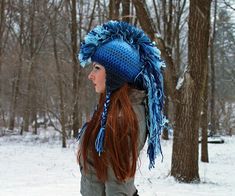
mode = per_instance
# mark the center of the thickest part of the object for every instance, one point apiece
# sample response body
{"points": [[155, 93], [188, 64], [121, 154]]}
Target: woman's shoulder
{"points": [[137, 97], [138, 101]]}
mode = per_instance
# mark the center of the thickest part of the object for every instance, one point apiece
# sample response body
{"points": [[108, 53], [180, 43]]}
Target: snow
{"points": [[180, 83], [36, 165]]}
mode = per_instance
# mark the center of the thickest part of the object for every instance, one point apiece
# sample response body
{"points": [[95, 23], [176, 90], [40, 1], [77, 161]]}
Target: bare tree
{"points": [[35, 41], [188, 111], [18, 74], [2, 28], [185, 145], [126, 10], [204, 121], [53, 25], [76, 69], [31, 98], [229, 5], [212, 71], [114, 9]]}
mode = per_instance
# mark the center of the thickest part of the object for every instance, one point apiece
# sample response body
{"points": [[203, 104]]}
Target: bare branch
{"points": [[228, 5]]}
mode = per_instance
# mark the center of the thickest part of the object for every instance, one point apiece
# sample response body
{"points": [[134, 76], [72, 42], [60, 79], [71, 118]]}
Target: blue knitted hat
{"points": [[128, 56], [121, 62]]}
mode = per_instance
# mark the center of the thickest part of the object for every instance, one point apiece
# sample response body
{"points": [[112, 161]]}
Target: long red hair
{"points": [[120, 142]]}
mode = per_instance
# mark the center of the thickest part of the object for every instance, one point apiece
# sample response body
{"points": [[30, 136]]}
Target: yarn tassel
{"points": [[100, 141], [151, 155], [155, 117]]}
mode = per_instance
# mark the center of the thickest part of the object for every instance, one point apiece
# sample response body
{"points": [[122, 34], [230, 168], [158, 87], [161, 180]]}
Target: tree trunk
{"points": [[185, 144], [61, 93], [158, 18], [53, 29], [2, 27], [169, 27], [212, 65], [91, 20], [177, 42], [165, 135], [164, 18], [168, 40], [114, 6], [76, 69], [16, 85], [15, 94], [204, 123], [12, 111], [32, 88], [126, 10], [31, 99]]}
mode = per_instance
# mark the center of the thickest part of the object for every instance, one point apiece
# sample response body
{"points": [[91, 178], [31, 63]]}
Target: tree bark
{"points": [[91, 20], [30, 112], [204, 123], [32, 89], [212, 66], [168, 34], [126, 10], [169, 26], [2, 28], [16, 83], [176, 34], [53, 29], [164, 18], [114, 6], [76, 69], [158, 18], [165, 135], [185, 144], [61, 91]]}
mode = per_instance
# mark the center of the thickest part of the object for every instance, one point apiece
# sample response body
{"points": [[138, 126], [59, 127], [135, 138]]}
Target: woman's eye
{"points": [[96, 67]]}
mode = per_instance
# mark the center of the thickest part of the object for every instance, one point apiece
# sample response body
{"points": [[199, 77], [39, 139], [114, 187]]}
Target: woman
{"points": [[127, 74]]}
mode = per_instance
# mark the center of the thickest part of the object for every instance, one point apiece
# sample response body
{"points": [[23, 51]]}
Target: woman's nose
{"points": [[90, 76]]}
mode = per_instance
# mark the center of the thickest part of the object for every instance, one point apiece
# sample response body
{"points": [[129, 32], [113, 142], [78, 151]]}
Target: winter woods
{"points": [[42, 84]]}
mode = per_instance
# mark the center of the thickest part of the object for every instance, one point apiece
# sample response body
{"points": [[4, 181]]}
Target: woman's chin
{"points": [[97, 90]]}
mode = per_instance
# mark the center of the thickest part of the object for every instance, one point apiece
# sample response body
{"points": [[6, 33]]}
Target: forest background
{"points": [[42, 83]]}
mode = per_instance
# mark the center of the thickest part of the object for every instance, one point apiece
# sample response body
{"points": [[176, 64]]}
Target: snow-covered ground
{"points": [[38, 166]]}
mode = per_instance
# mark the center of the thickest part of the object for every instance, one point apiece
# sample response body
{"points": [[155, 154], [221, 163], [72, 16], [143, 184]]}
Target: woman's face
{"points": [[97, 76]]}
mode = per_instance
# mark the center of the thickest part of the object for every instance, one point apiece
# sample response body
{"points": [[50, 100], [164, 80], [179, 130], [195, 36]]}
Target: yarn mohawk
{"points": [[145, 72]]}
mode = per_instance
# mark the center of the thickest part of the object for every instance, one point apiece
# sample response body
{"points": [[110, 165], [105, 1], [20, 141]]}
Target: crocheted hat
{"points": [[121, 62], [128, 56]]}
